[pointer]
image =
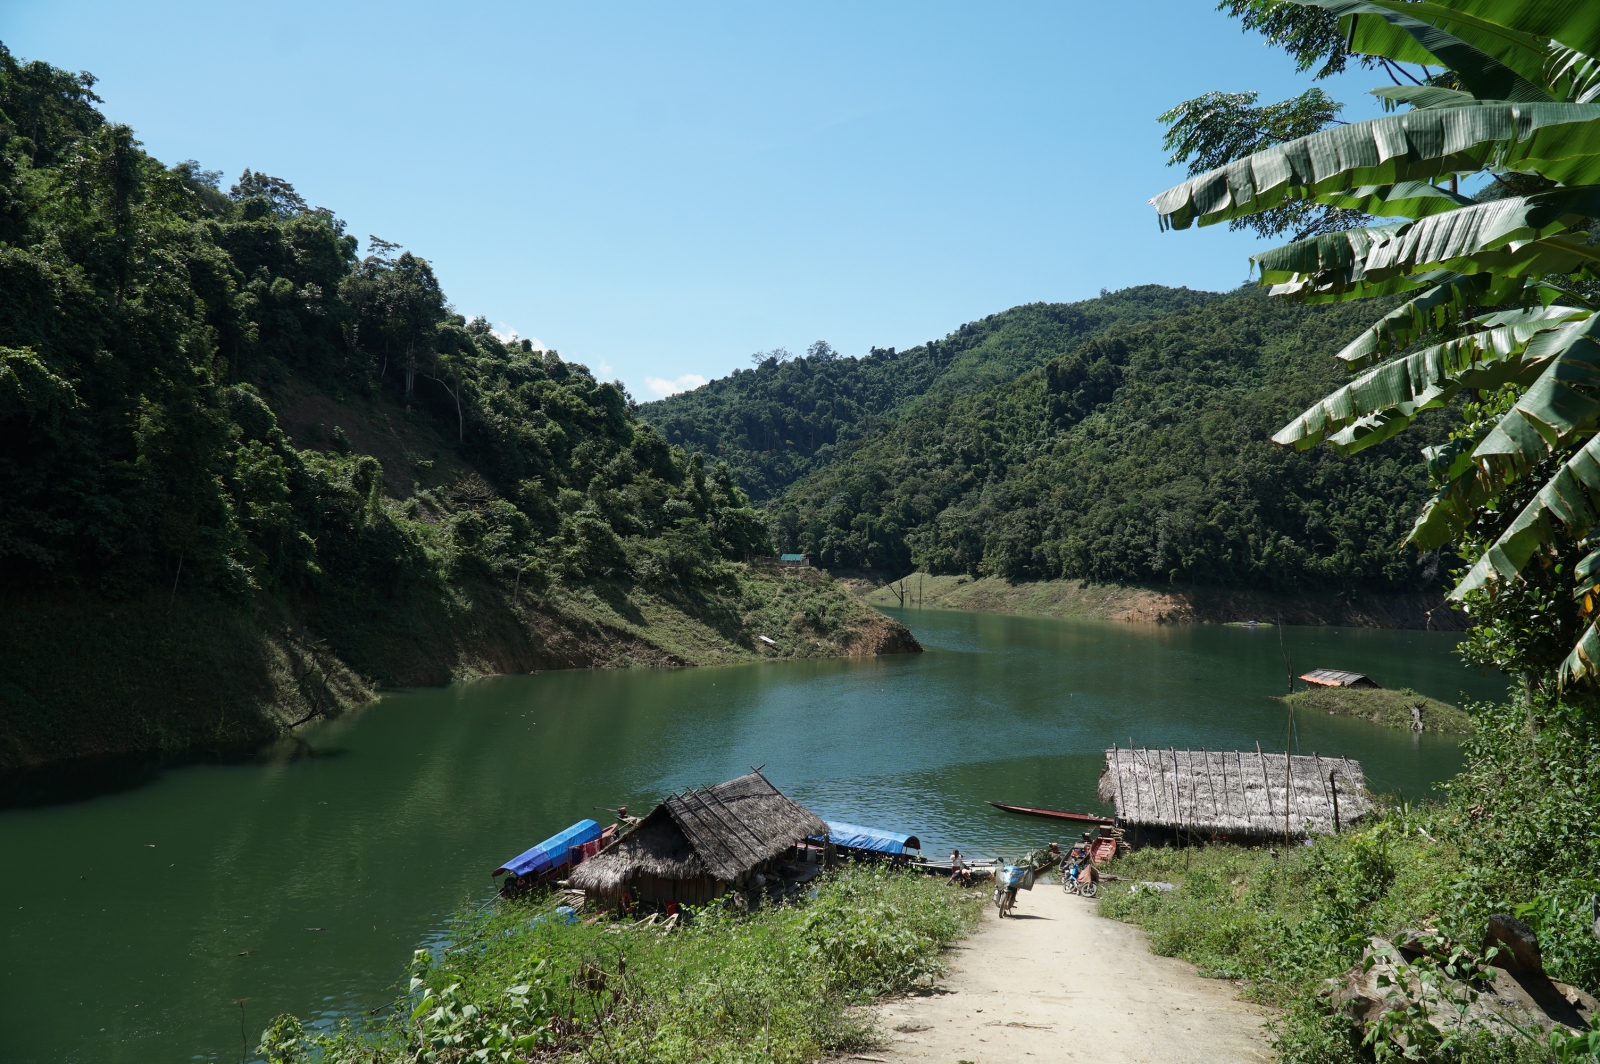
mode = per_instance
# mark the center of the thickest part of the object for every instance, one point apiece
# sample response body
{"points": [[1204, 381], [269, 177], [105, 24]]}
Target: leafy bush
{"points": [[780, 984]]}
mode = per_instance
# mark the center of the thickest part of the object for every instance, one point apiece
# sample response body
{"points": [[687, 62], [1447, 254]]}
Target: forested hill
{"points": [[783, 419], [1141, 455], [245, 471]]}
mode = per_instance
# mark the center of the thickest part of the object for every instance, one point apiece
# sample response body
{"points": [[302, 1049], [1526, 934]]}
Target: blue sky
{"points": [[660, 190]]}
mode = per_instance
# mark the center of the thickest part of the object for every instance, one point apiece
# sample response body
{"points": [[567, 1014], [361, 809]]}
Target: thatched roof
{"points": [[720, 832], [1231, 792]]}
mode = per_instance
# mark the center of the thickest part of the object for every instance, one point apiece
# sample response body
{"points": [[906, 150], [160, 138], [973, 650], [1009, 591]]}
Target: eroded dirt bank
{"points": [[1058, 982], [1166, 605]]}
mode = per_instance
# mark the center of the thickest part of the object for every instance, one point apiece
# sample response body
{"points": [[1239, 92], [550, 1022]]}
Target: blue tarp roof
{"points": [[861, 838], [791, 557], [552, 851]]}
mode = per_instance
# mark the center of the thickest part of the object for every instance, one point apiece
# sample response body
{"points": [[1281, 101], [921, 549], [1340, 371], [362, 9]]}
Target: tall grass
{"points": [[783, 984]]}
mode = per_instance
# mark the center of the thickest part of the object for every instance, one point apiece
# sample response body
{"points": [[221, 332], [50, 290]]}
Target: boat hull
{"points": [[1054, 814]]}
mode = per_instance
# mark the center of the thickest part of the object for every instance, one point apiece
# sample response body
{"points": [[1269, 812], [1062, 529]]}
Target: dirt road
{"points": [[1058, 982]]}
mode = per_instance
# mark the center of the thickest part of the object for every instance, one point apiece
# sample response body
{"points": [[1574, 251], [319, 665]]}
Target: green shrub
{"points": [[780, 984]]}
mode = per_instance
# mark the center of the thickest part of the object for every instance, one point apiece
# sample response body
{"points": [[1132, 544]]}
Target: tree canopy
{"points": [[1501, 292], [148, 320], [789, 417], [1138, 455]]}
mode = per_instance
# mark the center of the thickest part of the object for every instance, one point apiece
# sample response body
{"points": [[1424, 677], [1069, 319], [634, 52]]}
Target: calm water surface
{"points": [[134, 924]]}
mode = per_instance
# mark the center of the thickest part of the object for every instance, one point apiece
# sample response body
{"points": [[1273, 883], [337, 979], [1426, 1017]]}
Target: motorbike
{"points": [[1082, 879], [1007, 882]]}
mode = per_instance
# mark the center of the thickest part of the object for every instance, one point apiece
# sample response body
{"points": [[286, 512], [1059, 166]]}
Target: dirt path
{"points": [[1061, 983]]}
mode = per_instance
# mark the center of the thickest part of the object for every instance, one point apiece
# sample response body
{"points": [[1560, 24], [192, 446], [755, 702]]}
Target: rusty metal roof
{"points": [[1338, 678]]}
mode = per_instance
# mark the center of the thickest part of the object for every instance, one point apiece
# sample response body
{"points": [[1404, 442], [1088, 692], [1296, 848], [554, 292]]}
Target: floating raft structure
{"points": [[1232, 794]]}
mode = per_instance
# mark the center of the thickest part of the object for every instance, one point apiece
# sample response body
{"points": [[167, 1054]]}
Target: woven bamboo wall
{"points": [[1232, 792]]}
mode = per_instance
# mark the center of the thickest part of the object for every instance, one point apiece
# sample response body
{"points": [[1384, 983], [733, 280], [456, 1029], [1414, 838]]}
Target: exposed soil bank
{"points": [[1166, 605], [1061, 983], [87, 677]]}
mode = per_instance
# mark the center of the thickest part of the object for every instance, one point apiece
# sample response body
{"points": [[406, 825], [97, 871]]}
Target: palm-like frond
{"points": [[1408, 199], [1439, 308], [1383, 400], [1511, 237], [1576, 25], [1572, 75], [1560, 141], [1492, 60], [1570, 499]]}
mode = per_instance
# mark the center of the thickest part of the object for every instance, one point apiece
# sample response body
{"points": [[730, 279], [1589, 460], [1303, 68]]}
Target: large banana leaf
{"points": [[1492, 61], [1408, 199], [1560, 141], [1574, 23], [1421, 96], [1580, 664], [1511, 237], [1383, 400], [1472, 476], [1439, 308], [1572, 75], [1465, 491], [1558, 408], [1569, 499]]}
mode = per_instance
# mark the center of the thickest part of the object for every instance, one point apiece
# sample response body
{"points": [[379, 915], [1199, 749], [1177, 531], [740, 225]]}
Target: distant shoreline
{"points": [[1077, 599]]}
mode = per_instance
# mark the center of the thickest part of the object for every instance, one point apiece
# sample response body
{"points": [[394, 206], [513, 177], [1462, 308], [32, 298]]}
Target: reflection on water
{"points": [[134, 921]]}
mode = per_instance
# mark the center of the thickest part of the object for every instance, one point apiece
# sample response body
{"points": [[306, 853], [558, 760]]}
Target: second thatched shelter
{"points": [[1212, 792], [697, 845]]}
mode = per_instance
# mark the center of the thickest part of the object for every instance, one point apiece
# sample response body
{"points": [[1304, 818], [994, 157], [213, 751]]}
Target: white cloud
{"points": [[603, 370], [507, 335], [664, 388]]}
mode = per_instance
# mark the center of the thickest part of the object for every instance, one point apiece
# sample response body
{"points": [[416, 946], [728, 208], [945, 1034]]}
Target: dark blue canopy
{"points": [[552, 851], [861, 838]]}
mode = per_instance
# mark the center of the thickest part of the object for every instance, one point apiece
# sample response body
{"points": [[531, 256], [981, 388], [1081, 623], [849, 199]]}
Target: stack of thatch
{"points": [[1233, 793], [694, 845]]}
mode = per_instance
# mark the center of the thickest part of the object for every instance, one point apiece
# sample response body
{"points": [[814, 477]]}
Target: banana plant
{"points": [[1496, 290]]}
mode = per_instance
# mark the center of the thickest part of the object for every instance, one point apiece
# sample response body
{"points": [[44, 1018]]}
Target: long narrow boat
{"points": [[1054, 814]]}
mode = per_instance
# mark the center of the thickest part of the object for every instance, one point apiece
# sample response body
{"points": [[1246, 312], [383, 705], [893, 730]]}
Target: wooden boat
{"points": [[1054, 814]]}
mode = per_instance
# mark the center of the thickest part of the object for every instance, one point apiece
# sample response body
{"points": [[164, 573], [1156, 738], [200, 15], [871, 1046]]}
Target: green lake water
{"points": [[133, 923]]}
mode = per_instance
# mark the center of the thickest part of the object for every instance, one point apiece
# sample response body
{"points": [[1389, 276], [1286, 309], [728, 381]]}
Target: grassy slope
{"points": [[86, 677], [1164, 605], [1391, 708]]}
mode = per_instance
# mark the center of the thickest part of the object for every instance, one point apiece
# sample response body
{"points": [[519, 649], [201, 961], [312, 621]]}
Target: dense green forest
{"points": [[789, 417], [1139, 455], [159, 335]]}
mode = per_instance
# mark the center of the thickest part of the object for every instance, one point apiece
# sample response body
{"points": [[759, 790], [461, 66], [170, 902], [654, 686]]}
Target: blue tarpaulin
{"points": [[552, 851], [860, 838]]}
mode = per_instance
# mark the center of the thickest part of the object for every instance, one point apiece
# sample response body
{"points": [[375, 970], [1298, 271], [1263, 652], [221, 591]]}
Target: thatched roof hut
{"points": [[694, 846], [1233, 793]]}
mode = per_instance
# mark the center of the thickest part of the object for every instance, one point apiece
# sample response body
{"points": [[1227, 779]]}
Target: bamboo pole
{"points": [[1266, 786], [1116, 780], [1288, 790], [1318, 760]]}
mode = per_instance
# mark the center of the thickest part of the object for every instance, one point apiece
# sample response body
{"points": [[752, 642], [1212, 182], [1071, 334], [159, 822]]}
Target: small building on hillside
{"points": [[696, 846], [794, 559], [1338, 678], [1214, 793]]}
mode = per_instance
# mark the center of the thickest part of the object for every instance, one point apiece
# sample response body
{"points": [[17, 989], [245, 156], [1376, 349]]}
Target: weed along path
{"points": [[1060, 982]]}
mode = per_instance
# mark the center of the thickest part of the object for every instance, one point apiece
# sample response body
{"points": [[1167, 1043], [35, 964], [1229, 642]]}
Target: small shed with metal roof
{"points": [[1338, 678]]}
